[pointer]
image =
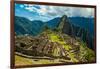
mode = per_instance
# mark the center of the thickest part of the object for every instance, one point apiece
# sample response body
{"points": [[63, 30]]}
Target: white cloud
{"points": [[71, 11], [29, 8], [59, 10], [22, 6], [42, 10], [82, 12]]}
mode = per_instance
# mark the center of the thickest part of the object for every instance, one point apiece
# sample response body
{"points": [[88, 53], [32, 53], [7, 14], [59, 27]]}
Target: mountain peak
{"points": [[62, 22], [64, 16]]}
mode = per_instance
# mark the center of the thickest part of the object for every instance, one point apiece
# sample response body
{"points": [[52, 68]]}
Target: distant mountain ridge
{"points": [[25, 26], [53, 23], [75, 27]]}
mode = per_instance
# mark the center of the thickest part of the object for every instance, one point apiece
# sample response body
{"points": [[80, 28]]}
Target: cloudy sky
{"points": [[46, 13]]}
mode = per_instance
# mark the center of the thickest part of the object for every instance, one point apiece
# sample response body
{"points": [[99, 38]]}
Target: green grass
{"points": [[22, 61], [56, 38], [86, 53]]}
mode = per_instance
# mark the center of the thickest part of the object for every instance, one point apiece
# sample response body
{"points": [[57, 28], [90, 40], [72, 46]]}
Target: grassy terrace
{"points": [[22, 61], [56, 38], [26, 61]]}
